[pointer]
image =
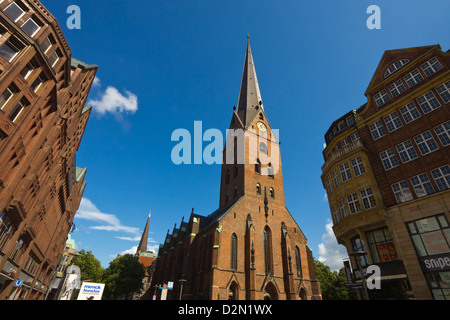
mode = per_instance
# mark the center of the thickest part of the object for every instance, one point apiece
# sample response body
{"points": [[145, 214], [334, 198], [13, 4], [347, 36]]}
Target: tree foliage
{"points": [[332, 283], [123, 277], [91, 269]]}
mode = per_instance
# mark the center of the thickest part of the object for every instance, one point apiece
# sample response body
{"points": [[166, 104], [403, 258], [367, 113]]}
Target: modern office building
{"points": [[250, 248], [387, 176], [42, 120]]}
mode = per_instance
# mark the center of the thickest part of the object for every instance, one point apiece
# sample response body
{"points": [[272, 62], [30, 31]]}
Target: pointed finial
{"points": [[248, 36]]}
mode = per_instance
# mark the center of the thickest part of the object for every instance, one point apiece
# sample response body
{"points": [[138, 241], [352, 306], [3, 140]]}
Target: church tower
{"points": [[250, 248]]}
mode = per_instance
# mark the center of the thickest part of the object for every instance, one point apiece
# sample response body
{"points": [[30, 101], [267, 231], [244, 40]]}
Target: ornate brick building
{"points": [[250, 247], [42, 120], [387, 175]]}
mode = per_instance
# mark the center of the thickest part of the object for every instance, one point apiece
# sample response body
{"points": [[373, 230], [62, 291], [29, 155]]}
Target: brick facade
{"points": [[42, 120]]}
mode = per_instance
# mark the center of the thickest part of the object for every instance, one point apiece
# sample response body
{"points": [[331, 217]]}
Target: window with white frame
{"points": [[31, 26], [397, 88], [358, 166], [14, 114], [342, 208], [422, 185], [381, 97], [426, 143], [345, 172], [6, 95], [395, 66], [377, 130], [431, 66], [402, 192], [389, 159], [443, 133], [335, 214], [392, 121], [444, 91], [28, 69], [442, 177], [410, 112], [413, 78], [353, 203], [53, 58], [344, 142], [329, 186], [355, 136], [15, 11], [335, 179], [46, 44], [367, 198], [406, 151], [8, 50], [428, 102]]}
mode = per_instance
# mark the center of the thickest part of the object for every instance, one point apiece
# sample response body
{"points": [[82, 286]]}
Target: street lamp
{"points": [[181, 281], [358, 254]]}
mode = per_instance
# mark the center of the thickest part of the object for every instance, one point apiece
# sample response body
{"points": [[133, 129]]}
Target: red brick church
{"points": [[250, 248]]}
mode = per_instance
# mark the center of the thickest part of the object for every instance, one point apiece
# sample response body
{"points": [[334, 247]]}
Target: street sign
{"points": [[170, 285], [18, 283], [164, 294]]}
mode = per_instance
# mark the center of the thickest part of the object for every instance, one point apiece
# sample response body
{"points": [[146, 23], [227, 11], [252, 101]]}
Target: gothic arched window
{"points": [[268, 250], [258, 166], [298, 262], [233, 262], [272, 193], [258, 188]]}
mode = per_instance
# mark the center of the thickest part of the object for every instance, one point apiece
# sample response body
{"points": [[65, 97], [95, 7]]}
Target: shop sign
{"points": [[439, 262]]}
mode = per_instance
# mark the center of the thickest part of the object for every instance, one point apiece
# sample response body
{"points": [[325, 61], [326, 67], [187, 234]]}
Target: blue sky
{"points": [[164, 64]]}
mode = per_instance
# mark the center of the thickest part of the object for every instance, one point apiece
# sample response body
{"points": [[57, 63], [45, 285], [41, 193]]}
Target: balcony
{"points": [[340, 152]]}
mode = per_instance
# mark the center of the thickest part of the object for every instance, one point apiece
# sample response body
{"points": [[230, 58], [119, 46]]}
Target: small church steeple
{"points": [[249, 100], [142, 247]]}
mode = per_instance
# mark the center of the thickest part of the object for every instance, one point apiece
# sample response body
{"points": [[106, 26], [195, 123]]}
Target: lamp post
{"points": [[181, 281], [356, 255]]}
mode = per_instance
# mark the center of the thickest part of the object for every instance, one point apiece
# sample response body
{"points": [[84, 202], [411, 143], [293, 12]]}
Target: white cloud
{"points": [[89, 211], [330, 252], [114, 102], [96, 82]]}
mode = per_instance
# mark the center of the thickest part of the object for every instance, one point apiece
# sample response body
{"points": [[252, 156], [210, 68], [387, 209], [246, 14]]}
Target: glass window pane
{"points": [[30, 27], [14, 11], [417, 240]]}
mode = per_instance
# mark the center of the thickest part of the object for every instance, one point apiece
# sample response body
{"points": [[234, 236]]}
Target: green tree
{"points": [[332, 283], [123, 277], [91, 269]]}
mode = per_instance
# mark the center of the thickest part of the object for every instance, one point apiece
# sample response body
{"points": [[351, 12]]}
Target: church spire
{"points": [[142, 247], [249, 96]]}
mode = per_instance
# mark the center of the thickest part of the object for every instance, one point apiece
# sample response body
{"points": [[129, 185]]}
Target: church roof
{"points": [[249, 100], [142, 247]]}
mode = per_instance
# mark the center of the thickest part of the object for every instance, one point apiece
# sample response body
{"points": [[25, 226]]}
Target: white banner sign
{"points": [[91, 291]]}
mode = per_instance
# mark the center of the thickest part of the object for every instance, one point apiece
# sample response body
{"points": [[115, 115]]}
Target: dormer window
{"points": [[395, 66]]}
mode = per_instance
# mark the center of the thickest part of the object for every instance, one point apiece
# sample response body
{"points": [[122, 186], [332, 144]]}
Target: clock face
{"points": [[261, 126]]}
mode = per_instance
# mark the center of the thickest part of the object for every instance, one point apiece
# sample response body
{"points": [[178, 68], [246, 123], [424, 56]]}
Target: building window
{"points": [[443, 133], [233, 263], [395, 66], [444, 91], [425, 142], [355, 136], [15, 11], [267, 250], [31, 26], [377, 130], [263, 148], [28, 69], [329, 186], [14, 114], [431, 66], [335, 214], [257, 166], [358, 166], [406, 151], [335, 179], [392, 121], [258, 188], [402, 192], [389, 159], [7, 94], [343, 209], [413, 78], [353, 203], [9, 50], [381, 98], [344, 142], [227, 177], [38, 82], [428, 102], [381, 245], [270, 170], [32, 264], [17, 251], [367, 198], [272, 193], [410, 112], [358, 246], [298, 263], [422, 185], [53, 58], [397, 88], [6, 230], [442, 177], [46, 44], [345, 172]]}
